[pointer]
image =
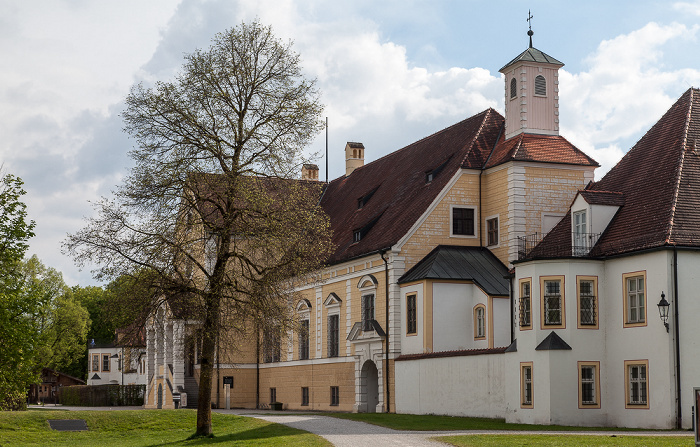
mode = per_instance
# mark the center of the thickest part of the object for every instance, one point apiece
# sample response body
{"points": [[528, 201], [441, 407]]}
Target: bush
{"points": [[102, 395]]}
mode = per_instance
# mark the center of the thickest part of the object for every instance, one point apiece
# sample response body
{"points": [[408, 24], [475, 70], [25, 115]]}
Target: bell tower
{"points": [[532, 92]]}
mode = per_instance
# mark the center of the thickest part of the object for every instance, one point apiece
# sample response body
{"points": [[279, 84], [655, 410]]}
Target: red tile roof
{"points": [[539, 148], [612, 198], [660, 181]]}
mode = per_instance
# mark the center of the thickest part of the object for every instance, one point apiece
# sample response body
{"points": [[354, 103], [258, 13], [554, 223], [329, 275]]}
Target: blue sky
{"points": [[391, 72]]}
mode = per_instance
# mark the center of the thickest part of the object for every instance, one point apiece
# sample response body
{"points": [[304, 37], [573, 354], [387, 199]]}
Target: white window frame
{"points": [[593, 381], [635, 300], [641, 383], [498, 231], [544, 307], [527, 386], [476, 221], [479, 322], [522, 312]]}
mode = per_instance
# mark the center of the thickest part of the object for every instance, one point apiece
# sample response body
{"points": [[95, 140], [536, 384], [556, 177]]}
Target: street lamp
{"points": [[663, 310]]}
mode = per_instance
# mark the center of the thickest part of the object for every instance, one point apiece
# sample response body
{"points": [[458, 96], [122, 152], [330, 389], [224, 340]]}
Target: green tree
{"points": [[206, 215], [18, 329]]}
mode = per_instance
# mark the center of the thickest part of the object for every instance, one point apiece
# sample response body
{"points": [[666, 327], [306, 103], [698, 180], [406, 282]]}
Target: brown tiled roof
{"points": [[355, 145], [612, 198], [660, 181], [539, 148], [398, 182]]}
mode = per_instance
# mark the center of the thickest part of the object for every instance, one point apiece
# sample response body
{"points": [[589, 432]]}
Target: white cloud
{"points": [[692, 8], [624, 91]]}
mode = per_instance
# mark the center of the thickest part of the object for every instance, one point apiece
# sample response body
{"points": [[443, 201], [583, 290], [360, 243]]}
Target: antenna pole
{"points": [[326, 150]]}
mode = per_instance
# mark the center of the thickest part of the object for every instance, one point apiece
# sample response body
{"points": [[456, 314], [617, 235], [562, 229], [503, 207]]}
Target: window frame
{"points": [[595, 381], [335, 396], [95, 362], [366, 297], [629, 364], [596, 300], [513, 88], [305, 338], [105, 363], [522, 282], [626, 277], [273, 394], [333, 344], [534, 90], [492, 232], [562, 298], [412, 314], [474, 220], [305, 396], [523, 382], [479, 309]]}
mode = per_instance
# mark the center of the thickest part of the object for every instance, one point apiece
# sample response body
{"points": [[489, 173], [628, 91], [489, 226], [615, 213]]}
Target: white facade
{"points": [[106, 365]]}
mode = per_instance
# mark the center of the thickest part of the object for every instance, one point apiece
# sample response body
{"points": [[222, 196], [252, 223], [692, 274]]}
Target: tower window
{"points": [[513, 88], [540, 86]]}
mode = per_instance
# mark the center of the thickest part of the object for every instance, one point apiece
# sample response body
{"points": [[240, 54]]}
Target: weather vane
{"points": [[529, 22]]}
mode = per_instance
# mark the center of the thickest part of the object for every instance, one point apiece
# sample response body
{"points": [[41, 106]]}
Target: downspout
{"points": [[679, 416], [257, 366], [218, 372], [512, 309], [386, 323]]}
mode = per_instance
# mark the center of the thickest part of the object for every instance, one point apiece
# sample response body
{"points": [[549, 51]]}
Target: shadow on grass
{"points": [[259, 434]]}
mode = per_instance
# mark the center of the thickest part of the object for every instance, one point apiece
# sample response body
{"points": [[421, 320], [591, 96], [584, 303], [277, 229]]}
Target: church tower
{"points": [[532, 93]]}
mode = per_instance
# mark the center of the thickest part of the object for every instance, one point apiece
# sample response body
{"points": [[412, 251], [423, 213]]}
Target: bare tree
{"points": [[209, 213]]}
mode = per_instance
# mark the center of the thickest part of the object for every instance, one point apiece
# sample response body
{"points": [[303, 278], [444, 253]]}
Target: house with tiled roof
{"points": [[616, 281], [414, 310]]}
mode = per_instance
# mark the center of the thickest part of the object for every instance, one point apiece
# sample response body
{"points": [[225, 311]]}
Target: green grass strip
{"points": [[566, 441], [146, 428]]}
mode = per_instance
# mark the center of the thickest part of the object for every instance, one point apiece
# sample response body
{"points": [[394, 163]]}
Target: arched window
{"points": [[479, 321], [540, 86], [513, 88]]}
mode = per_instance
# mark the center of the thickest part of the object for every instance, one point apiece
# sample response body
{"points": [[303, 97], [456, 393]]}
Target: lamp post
{"points": [[663, 310]]}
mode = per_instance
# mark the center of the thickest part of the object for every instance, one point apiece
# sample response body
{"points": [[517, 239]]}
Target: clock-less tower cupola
{"points": [[532, 93]]}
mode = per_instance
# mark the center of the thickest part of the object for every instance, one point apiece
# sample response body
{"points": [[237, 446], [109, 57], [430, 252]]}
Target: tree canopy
{"points": [[211, 213]]}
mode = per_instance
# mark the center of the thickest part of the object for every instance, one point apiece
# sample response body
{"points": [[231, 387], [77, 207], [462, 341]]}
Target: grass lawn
{"points": [[434, 422], [566, 441], [145, 428]]}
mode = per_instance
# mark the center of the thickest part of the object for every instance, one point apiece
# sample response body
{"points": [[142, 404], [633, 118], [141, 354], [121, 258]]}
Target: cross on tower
{"points": [[529, 22]]}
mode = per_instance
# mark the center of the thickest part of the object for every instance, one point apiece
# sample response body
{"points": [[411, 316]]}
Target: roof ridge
{"points": [[397, 151], [518, 146], [679, 171], [487, 114]]}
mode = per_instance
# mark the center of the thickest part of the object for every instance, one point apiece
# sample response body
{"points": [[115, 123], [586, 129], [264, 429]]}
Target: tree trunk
{"points": [[205, 377]]}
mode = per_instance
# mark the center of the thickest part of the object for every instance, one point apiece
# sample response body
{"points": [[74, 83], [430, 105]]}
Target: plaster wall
{"points": [[453, 326], [462, 386]]}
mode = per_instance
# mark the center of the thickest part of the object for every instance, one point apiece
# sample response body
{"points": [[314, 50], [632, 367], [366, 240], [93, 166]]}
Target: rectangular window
{"points": [[463, 221], [492, 231], [552, 301], [525, 305], [95, 362], [367, 312], [637, 381], [333, 335], [273, 395], [272, 351], [479, 321], [411, 326], [304, 340], [105, 362], [335, 396], [526, 389], [635, 299], [305, 396], [589, 388], [587, 302]]}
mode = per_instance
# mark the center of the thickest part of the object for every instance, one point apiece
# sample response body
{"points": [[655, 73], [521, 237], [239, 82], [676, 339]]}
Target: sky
{"points": [[390, 72]]}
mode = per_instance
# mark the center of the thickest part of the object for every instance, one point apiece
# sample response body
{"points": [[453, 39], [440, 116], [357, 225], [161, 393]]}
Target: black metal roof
{"points": [[533, 55], [553, 342], [476, 264]]}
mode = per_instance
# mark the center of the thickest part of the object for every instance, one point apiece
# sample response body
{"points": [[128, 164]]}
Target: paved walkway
{"points": [[347, 433]]}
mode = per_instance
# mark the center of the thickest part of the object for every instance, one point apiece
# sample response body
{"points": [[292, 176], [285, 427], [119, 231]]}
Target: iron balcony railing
{"points": [[580, 244]]}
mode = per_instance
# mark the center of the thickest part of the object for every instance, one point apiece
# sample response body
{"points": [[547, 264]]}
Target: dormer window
{"points": [[357, 236], [362, 201], [430, 175], [513, 88], [540, 86], [579, 230], [360, 233]]}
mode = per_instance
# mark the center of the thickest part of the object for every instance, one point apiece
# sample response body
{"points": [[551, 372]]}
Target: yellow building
{"points": [[424, 239]]}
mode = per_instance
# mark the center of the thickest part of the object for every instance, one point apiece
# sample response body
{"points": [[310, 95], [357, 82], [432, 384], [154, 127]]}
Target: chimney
{"points": [[309, 172], [354, 157]]}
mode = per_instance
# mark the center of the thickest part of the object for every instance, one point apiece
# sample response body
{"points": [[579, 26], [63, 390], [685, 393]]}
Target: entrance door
{"points": [[160, 396], [369, 387]]}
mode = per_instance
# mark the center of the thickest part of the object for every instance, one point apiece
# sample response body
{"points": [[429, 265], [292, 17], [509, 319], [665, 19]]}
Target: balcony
{"points": [[578, 245]]}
